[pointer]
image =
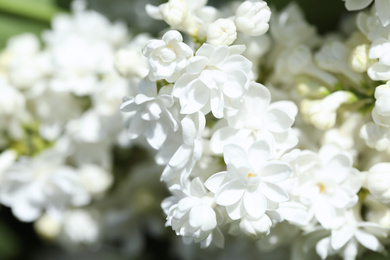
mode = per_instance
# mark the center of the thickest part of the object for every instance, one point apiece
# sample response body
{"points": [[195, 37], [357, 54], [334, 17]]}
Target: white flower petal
{"points": [[368, 240], [259, 153], [275, 171], [229, 193], [196, 64], [204, 217], [255, 203], [274, 192], [236, 211], [340, 237], [235, 155], [156, 134], [215, 181]]}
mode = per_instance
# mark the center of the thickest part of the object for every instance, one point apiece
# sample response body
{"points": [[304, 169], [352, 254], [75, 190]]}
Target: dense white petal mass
{"points": [[378, 181], [215, 78], [248, 186], [255, 119], [152, 114], [167, 57], [193, 214], [221, 32], [252, 18], [32, 186], [327, 184]]}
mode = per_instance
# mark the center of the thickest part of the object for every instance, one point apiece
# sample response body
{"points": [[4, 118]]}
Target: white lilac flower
{"points": [[378, 181], [167, 57], [215, 78], [193, 216], [382, 8], [24, 63], [150, 114], [183, 160], [80, 227], [221, 32], [250, 184], [381, 111], [7, 159], [288, 30], [380, 49], [256, 118], [299, 61], [376, 136], [184, 15], [359, 60], [82, 47], [333, 56], [129, 61], [95, 179], [13, 111], [327, 183], [256, 227], [322, 113], [42, 183], [347, 239], [252, 18]]}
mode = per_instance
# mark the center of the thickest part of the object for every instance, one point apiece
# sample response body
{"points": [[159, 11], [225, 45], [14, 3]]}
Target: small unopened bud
{"points": [[221, 32], [252, 18], [359, 60]]}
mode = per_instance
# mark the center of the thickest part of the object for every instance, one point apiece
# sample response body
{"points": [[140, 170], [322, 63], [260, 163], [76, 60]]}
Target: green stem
{"points": [[38, 10]]}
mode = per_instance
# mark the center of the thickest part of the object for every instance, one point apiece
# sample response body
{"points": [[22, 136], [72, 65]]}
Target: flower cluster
{"points": [[240, 156], [253, 122]]}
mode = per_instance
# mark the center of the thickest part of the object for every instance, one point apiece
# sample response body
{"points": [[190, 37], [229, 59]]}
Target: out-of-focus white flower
{"points": [[221, 32], [327, 183], [13, 111], [33, 185], [333, 56], [345, 239], [215, 78], [95, 179], [359, 60], [299, 61], [378, 181], [129, 61], [252, 18], [7, 159], [24, 63], [257, 118], [322, 113], [80, 227], [249, 186], [381, 111], [150, 114], [167, 57], [382, 8], [82, 47]]}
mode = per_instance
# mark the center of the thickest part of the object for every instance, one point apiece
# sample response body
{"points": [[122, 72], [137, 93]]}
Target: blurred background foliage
{"points": [[18, 240]]}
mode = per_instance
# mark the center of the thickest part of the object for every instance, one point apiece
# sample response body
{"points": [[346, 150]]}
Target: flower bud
{"points": [[378, 181], [174, 12], [221, 32], [252, 18], [359, 60], [322, 113]]}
